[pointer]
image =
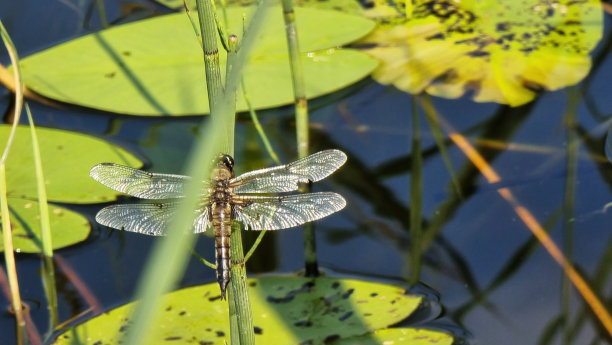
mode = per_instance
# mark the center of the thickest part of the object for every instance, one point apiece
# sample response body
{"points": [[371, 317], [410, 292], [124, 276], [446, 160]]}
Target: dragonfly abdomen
{"points": [[222, 224]]}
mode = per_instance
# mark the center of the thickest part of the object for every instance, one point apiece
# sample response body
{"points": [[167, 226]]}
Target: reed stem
{"points": [[9, 254], [239, 302], [45, 229], [311, 265], [416, 193]]}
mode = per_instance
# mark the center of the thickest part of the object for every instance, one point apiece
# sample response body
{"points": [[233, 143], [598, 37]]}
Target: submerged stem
{"points": [[301, 125]]}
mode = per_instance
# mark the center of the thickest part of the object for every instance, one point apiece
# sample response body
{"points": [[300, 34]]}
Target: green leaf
{"points": [[347, 6], [505, 51], [287, 310], [67, 227], [155, 66], [400, 336], [67, 158]]}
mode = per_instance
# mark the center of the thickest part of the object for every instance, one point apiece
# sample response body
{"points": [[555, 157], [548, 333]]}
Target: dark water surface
{"points": [[479, 240]]}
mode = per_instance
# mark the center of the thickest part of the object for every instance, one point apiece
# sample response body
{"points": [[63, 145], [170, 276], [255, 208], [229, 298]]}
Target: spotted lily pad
{"points": [[400, 336], [503, 51], [156, 66], [286, 310], [67, 158], [67, 227]]}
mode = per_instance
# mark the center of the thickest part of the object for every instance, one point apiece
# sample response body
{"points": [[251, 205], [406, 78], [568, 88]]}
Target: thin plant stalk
{"points": [[45, 230], [301, 125], [240, 313], [223, 114], [208, 32], [9, 255], [102, 13], [437, 134], [416, 194], [568, 209], [257, 124], [239, 303]]}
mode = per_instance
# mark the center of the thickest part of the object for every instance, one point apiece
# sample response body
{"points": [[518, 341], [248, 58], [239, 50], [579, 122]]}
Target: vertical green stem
{"points": [[229, 115], [239, 303], [301, 124], [45, 229], [102, 13], [241, 316], [416, 182], [210, 48], [9, 254]]}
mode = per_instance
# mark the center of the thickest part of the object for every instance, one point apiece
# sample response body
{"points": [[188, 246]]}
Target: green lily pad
{"points": [[347, 6], [286, 310], [400, 336], [67, 158], [155, 66], [67, 227], [504, 51]]}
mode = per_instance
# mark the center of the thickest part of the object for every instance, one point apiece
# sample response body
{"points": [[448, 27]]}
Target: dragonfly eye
{"points": [[228, 162]]}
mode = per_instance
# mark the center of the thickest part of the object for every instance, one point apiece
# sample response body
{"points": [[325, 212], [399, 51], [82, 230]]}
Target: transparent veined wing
{"points": [[148, 219], [287, 178], [139, 183], [286, 211]]}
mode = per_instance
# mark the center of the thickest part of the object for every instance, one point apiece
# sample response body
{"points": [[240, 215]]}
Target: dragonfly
{"points": [[259, 199]]}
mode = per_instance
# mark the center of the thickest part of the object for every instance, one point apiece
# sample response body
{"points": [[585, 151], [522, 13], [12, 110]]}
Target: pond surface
{"points": [[482, 245]]}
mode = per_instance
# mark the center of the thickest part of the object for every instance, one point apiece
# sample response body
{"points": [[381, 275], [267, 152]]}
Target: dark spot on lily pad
{"points": [[202, 342], [291, 294], [303, 323], [169, 308], [345, 316], [220, 333], [257, 330], [348, 293], [307, 342], [252, 283], [335, 285], [172, 338], [331, 338], [374, 294], [99, 342], [110, 75], [182, 313]]}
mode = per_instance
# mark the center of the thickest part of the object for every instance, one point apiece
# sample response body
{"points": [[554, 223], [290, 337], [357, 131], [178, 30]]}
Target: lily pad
{"points": [[400, 336], [67, 158], [67, 227], [347, 6], [503, 51], [155, 66], [286, 310]]}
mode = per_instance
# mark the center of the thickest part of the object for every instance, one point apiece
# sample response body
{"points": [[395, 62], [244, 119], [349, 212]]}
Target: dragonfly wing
{"points": [[139, 183], [281, 212], [148, 219], [202, 221], [287, 178]]}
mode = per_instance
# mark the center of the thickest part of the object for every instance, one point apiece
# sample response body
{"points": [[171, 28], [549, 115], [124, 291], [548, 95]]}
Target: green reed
{"points": [[9, 255]]}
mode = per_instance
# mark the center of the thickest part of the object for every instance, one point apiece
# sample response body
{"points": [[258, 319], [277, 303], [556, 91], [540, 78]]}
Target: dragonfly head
{"points": [[226, 161]]}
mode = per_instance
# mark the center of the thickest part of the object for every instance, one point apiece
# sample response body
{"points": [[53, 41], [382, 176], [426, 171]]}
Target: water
{"points": [[480, 238]]}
